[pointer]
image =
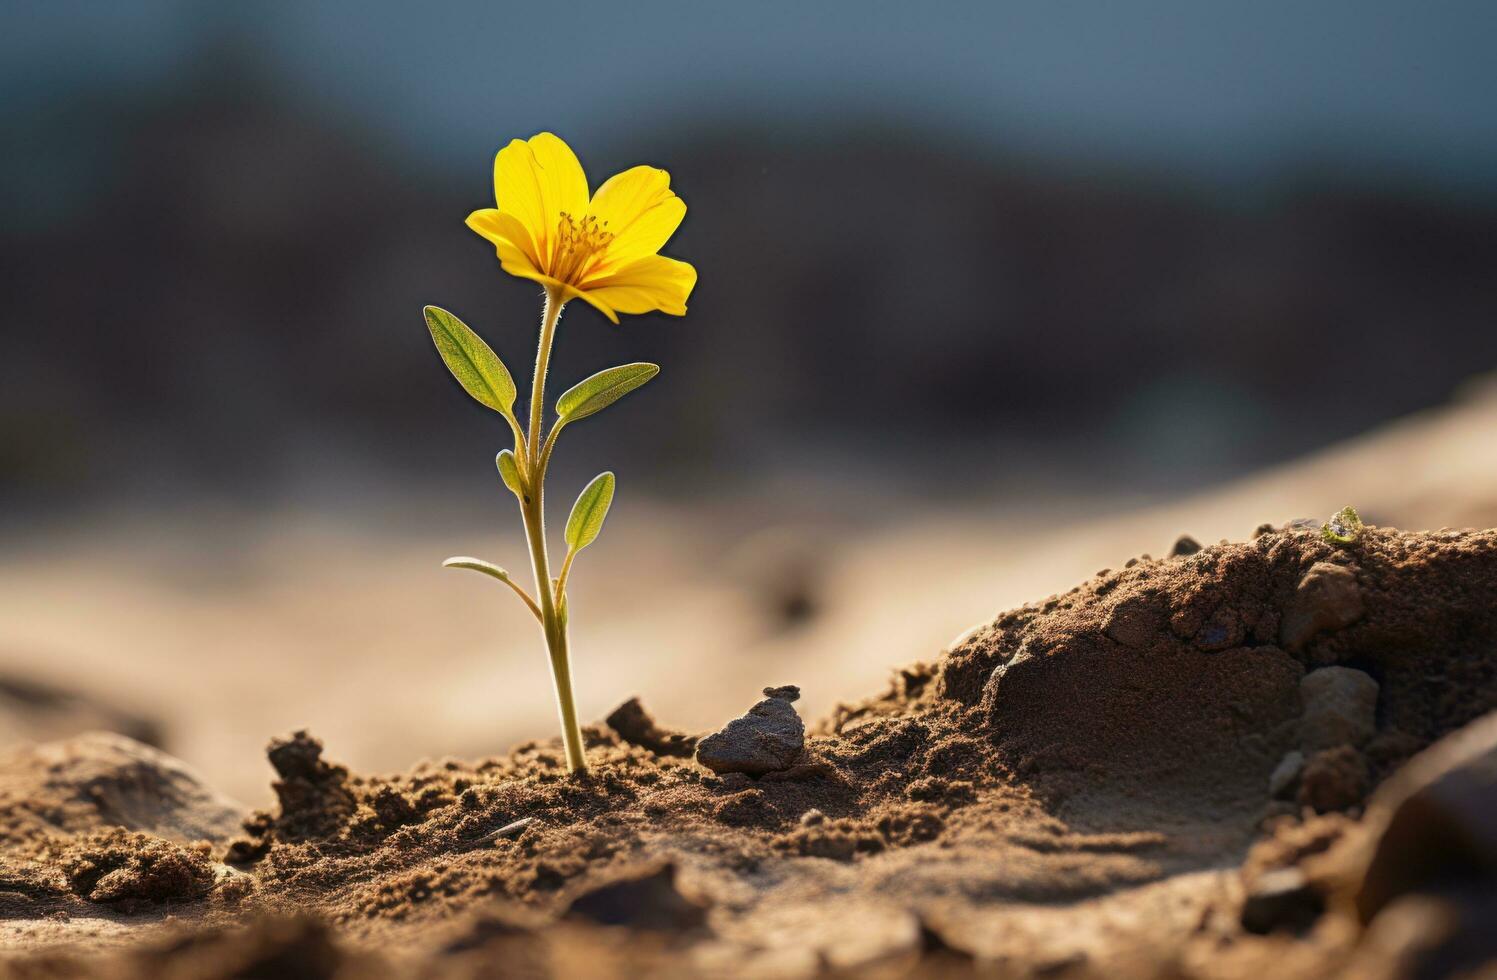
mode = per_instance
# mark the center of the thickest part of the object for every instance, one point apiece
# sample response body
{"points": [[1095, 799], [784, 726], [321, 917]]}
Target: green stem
{"points": [[549, 316], [533, 509]]}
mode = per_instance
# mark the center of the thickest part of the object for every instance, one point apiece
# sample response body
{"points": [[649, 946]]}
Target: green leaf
{"points": [[477, 565], [602, 390], [509, 472], [475, 366], [588, 512]]}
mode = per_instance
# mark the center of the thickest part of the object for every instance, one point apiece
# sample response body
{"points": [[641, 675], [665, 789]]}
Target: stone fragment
{"points": [[1327, 598], [1284, 779], [767, 739], [1340, 706]]}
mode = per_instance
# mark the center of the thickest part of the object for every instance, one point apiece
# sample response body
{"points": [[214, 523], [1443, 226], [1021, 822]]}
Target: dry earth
{"points": [[1163, 772]]}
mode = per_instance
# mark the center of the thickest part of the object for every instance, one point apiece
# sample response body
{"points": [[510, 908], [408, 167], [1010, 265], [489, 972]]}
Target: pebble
{"points": [[1340, 708], [1327, 598], [1185, 545], [767, 739]]}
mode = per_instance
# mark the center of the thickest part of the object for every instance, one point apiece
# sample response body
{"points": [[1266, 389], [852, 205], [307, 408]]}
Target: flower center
{"points": [[579, 247]]}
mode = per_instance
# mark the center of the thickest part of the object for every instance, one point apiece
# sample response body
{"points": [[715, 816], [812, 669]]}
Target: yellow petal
{"points": [[507, 234], [536, 180], [641, 211], [652, 283]]}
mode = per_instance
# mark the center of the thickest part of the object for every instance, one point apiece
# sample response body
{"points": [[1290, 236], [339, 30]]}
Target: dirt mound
{"points": [[99, 780], [1070, 789], [1171, 686], [121, 866]]}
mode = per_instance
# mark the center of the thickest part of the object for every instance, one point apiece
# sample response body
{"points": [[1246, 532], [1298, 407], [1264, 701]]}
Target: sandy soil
{"points": [[1089, 785]]}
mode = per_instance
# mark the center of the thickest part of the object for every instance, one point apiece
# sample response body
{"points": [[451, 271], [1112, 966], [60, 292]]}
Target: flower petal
{"points": [[507, 234], [641, 211], [536, 180], [652, 283]]}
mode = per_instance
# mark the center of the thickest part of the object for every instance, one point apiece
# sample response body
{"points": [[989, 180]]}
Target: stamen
{"points": [[579, 247]]}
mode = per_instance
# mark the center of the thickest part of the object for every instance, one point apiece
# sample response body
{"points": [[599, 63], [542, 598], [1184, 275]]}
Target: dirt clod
{"points": [[1333, 779], [1340, 706], [769, 738], [636, 726], [120, 865]]}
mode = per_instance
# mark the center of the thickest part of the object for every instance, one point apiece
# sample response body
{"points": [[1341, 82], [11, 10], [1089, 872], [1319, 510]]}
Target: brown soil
{"points": [[1070, 790]]}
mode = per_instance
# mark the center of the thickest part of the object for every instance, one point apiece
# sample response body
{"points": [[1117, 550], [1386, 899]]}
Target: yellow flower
{"points": [[601, 249]]}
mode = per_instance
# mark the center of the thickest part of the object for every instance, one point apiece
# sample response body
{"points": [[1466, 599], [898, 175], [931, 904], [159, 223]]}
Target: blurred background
{"points": [[991, 296]]}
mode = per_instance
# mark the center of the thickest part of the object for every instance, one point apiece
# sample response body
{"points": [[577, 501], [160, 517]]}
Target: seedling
{"points": [[602, 249]]}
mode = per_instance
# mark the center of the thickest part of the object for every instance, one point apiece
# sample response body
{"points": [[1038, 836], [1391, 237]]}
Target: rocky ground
{"points": [[1276, 755]]}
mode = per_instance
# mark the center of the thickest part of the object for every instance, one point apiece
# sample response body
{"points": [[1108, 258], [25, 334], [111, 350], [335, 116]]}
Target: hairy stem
{"points": [[533, 509], [549, 316]]}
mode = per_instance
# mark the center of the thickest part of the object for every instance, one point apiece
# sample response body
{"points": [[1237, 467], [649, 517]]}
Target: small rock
{"points": [[1340, 708], [1327, 598], [635, 725], [767, 739], [1285, 777], [1281, 900], [812, 818], [1185, 545], [1333, 779]]}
